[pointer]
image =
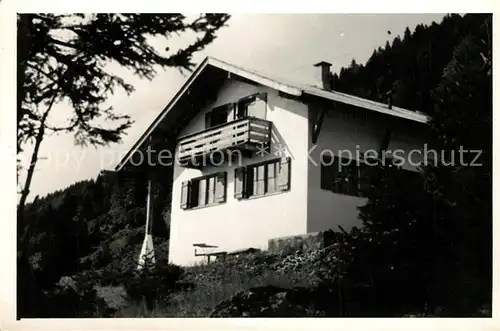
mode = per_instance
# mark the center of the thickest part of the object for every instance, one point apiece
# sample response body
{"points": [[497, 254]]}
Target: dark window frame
{"points": [[365, 173], [206, 180], [254, 168], [345, 179], [224, 109], [236, 108], [247, 189], [193, 194], [240, 112]]}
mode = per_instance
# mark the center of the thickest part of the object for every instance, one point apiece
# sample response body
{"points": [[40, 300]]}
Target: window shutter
{"points": [[185, 194], [327, 173], [220, 187], [249, 181], [194, 193], [284, 175], [239, 182], [207, 120], [262, 96], [231, 112], [240, 110], [257, 107], [338, 178], [326, 177]]}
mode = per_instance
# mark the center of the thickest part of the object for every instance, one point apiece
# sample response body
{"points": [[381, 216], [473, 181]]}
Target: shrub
{"points": [[75, 297], [153, 282], [221, 279]]}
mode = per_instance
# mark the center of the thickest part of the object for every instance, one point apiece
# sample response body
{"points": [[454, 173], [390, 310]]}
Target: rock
{"points": [[272, 301], [246, 303], [114, 296], [67, 282]]}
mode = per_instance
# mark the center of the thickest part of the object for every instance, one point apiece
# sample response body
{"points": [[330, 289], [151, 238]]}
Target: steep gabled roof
{"points": [[281, 85]]}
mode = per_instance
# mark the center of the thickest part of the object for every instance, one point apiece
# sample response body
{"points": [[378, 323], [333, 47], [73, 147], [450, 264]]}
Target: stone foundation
{"points": [[305, 242]]}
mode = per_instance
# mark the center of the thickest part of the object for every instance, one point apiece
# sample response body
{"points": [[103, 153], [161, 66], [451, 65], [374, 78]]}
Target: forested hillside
{"points": [[96, 224], [92, 223], [410, 65]]}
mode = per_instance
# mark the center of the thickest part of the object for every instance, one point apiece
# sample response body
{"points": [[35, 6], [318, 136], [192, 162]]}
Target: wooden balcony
{"points": [[247, 134]]}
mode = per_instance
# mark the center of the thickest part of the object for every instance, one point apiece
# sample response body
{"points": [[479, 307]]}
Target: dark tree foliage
{"points": [[69, 58], [411, 67], [428, 239], [463, 191], [93, 225], [64, 57], [396, 246]]}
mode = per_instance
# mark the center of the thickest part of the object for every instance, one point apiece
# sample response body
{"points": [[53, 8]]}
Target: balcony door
{"points": [[218, 116], [254, 106]]}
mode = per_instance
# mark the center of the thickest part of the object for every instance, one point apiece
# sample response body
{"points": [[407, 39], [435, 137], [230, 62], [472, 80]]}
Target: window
{"points": [[262, 178], [218, 115], [340, 175], [349, 177], [254, 105], [204, 191]]}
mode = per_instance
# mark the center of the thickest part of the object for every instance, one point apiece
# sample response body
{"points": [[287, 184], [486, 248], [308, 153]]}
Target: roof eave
{"points": [[381, 108], [274, 84]]}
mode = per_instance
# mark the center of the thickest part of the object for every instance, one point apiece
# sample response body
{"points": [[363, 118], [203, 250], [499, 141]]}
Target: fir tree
{"points": [[463, 120], [433, 232], [63, 58]]}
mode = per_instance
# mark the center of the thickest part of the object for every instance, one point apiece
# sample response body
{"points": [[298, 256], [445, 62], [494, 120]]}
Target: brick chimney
{"points": [[326, 75]]}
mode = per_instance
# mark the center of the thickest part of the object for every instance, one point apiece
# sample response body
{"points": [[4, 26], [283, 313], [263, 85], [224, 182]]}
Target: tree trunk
{"points": [[29, 177], [26, 283], [25, 278]]}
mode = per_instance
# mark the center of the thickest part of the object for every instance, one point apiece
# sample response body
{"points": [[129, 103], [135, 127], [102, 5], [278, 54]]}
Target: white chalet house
{"points": [[257, 158]]}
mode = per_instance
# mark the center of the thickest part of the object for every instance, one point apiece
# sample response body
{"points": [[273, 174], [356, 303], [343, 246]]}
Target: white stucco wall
{"points": [[245, 223], [349, 129]]}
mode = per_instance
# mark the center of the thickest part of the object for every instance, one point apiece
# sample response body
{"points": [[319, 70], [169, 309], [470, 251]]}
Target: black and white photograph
{"points": [[249, 165]]}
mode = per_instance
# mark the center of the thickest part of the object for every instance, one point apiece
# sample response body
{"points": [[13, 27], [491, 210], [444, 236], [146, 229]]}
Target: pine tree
{"points": [[63, 58], [434, 232], [387, 47], [396, 43], [463, 120], [396, 231], [55, 68], [407, 35]]}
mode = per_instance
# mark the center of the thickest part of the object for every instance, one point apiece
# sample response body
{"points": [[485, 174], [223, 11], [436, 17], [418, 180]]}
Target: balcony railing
{"points": [[248, 134]]}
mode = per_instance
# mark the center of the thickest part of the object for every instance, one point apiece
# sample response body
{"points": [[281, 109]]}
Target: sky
{"points": [[281, 45]]}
